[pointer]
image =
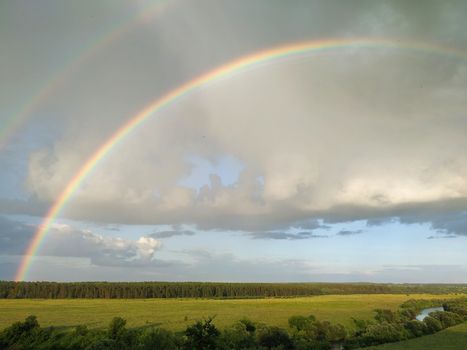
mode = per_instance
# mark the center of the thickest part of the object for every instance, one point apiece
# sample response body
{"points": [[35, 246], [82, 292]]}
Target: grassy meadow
{"points": [[176, 314], [453, 338]]}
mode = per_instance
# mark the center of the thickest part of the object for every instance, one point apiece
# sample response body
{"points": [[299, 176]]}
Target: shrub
{"points": [[447, 319], [103, 344], [240, 336], [385, 315], [157, 338], [385, 333], [274, 337], [203, 335], [300, 323], [416, 328], [124, 338], [18, 331], [432, 325]]}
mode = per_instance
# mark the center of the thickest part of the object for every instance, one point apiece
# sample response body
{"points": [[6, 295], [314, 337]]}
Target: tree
{"points": [[203, 335], [385, 315], [432, 324], [19, 331], [157, 338], [385, 333], [416, 328], [116, 328], [274, 337], [300, 323]]}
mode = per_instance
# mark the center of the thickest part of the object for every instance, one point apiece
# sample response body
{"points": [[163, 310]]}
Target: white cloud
{"points": [[66, 241], [343, 134]]}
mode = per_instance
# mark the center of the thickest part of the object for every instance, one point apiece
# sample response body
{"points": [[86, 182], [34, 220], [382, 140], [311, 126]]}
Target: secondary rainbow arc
{"points": [[55, 81], [174, 95]]}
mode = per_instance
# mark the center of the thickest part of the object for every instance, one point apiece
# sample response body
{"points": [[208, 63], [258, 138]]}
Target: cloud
{"points": [[442, 237], [340, 135], [349, 232], [285, 235], [66, 241], [14, 236], [453, 224], [176, 231]]}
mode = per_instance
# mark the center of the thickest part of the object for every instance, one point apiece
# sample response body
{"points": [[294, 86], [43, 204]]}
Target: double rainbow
{"points": [[96, 45], [178, 93]]}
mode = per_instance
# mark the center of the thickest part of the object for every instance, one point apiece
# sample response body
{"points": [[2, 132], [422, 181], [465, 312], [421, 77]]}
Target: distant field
{"points": [[454, 338], [176, 314]]}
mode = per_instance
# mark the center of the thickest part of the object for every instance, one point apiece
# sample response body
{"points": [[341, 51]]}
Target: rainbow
{"points": [[14, 121], [226, 70]]}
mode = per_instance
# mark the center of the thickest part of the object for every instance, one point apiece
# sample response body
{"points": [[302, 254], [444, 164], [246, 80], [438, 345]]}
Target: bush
{"points": [[385, 315], [432, 325], [274, 337], [416, 328], [157, 338], [457, 307], [361, 326], [103, 344], [240, 336], [124, 338], [407, 314], [385, 333], [18, 332], [300, 323], [203, 335], [447, 319]]}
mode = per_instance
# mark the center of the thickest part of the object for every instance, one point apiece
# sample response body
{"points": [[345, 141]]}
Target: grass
{"points": [[453, 338], [176, 314]]}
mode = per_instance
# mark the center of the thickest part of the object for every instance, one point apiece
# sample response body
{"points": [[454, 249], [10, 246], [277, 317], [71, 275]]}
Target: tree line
{"points": [[304, 333], [130, 290]]}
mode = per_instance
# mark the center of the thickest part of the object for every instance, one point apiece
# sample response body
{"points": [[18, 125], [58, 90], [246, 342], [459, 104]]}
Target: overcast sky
{"points": [[342, 165]]}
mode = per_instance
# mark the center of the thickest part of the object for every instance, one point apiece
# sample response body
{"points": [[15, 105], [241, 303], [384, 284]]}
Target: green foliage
{"points": [[385, 315], [301, 323], [203, 335], [416, 328], [116, 328], [407, 314], [129, 290], [249, 325], [360, 326], [447, 319], [240, 336], [103, 344], [432, 324], [171, 313], [274, 338], [306, 333], [20, 332], [158, 338], [385, 333], [457, 306], [453, 338]]}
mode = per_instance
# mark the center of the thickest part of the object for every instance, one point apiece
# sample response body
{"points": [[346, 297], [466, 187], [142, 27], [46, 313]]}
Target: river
{"points": [[425, 312]]}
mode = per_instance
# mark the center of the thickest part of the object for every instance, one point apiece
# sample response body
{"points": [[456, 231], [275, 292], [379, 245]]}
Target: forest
{"points": [[130, 290]]}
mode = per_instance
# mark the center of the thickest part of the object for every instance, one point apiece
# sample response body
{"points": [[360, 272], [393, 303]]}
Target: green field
{"points": [[454, 338], [176, 314]]}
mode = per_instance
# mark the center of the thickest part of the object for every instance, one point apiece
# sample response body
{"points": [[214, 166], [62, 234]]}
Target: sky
{"points": [[343, 165]]}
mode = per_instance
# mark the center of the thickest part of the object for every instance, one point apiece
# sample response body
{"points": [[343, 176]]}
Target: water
{"points": [[425, 312]]}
